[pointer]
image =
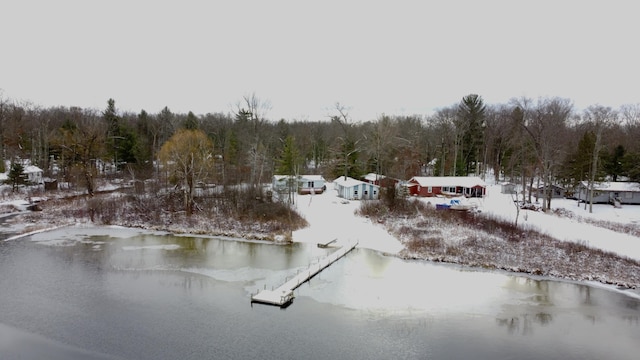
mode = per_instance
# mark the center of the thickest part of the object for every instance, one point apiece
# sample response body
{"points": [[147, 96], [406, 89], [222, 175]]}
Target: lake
{"points": [[110, 293]]}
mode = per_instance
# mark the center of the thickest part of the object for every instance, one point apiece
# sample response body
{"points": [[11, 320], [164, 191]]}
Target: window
{"points": [[366, 192], [429, 189], [310, 184], [355, 192]]}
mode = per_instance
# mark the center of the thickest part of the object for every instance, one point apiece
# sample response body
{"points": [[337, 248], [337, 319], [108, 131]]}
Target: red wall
{"points": [[435, 190]]}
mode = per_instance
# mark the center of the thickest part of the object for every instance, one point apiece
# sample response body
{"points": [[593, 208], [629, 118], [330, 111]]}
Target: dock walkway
{"points": [[327, 243], [284, 293]]}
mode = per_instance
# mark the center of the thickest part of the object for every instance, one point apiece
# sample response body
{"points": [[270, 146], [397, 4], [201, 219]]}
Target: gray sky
{"points": [[375, 57]]}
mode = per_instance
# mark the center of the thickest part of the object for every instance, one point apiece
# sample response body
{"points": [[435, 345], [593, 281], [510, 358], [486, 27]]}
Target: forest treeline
{"points": [[544, 138]]}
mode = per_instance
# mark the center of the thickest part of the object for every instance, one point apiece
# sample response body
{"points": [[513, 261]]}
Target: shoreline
{"points": [[618, 287], [454, 240]]}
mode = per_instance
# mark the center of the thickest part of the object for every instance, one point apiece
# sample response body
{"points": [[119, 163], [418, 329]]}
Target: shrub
{"points": [[398, 207]]}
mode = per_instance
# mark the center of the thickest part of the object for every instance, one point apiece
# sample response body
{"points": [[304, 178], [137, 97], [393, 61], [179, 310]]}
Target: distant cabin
{"points": [[508, 188], [430, 186], [557, 191], [34, 174], [311, 184], [352, 189], [282, 183], [608, 192], [303, 184]]}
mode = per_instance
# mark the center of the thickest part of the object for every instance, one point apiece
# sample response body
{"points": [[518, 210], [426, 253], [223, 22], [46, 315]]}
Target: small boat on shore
{"points": [[456, 204]]}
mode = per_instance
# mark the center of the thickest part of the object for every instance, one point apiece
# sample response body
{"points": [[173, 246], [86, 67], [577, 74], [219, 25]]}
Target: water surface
{"points": [[80, 293]]}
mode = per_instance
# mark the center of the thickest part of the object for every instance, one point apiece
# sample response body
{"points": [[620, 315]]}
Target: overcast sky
{"points": [[374, 57]]}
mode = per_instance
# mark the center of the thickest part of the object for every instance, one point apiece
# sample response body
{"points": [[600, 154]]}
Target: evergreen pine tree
{"points": [[472, 112], [16, 176]]}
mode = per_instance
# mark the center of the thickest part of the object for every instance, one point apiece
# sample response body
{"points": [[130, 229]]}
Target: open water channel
{"points": [[106, 293]]}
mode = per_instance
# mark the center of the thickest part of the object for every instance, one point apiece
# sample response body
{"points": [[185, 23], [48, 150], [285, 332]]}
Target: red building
{"points": [[429, 186]]}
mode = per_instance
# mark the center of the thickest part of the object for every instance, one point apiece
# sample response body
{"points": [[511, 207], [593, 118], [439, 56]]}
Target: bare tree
{"points": [[630, 114], [4, 109], [545, 125], [188, 156], [82, 140], [252, 111], [449, 130], [379, 138], [348, 145], [600, 117], [496, 144], [519, 142]]}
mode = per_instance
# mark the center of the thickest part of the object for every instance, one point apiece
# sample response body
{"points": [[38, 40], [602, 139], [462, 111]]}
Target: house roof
{"points": [[373, 177], [619, 186], [31, 169], [312, 177], [552, 186], [307, 177], [28, 169], [349, 182], [281, 177], [464, 181]]}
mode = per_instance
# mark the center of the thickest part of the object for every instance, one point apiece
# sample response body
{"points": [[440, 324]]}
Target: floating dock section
{"points": [[283, 295], [327, 243]]}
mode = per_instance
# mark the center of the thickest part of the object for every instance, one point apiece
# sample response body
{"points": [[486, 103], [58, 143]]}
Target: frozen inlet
{"points": [[283, 295]]}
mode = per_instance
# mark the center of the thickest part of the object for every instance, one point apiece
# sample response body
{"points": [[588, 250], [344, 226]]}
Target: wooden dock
{"points": [[283, 295], [327, 243]]}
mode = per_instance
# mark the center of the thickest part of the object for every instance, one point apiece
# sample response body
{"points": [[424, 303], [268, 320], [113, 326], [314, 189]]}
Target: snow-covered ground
{"points": [[330, 217], [571, 228]]}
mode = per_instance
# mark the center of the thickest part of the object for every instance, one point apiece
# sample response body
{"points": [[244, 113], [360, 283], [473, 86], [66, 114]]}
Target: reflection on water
{"points": [[523, 325], [157, 296]]}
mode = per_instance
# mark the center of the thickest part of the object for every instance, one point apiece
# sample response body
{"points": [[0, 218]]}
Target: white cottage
{"points": [[311, 184], [303, 184], [352, 189], [281, 183], [607, 192], [34, 174]]}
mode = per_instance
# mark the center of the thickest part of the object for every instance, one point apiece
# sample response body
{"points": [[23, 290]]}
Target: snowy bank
{"points": [[331, 217]]}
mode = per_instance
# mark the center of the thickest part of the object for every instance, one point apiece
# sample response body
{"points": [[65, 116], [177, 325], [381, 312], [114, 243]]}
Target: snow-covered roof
{"points": [[464, 181], [373, 177], [30, 169], [281, 177], [312, 177], [542, 186], [618, 186], [349, 182], [307, 177]]}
